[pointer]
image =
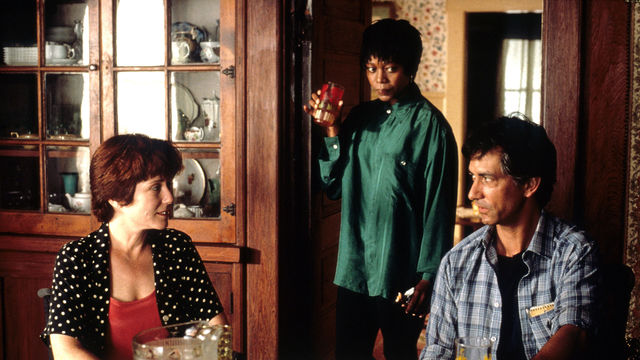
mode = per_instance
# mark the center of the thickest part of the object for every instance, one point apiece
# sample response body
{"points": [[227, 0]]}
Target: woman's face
{"points": [[150, 207], [388, 79]]}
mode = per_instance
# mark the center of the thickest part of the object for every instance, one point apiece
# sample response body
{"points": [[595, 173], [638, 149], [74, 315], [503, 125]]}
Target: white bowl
{"points": [[63, 34]]}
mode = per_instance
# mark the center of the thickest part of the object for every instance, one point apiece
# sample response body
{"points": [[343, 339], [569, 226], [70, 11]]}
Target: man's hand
{"points": [[421, 299]]}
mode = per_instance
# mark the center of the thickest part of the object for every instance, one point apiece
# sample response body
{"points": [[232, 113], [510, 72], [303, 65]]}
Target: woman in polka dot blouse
{"points": [[132, 273]]}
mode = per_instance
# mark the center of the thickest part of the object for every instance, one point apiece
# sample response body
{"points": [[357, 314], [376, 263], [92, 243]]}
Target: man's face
{"points": [[388, 79], [498, 197]]}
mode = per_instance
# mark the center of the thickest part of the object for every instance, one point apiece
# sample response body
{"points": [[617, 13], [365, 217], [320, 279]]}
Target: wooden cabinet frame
{"points": [[102, 94]]}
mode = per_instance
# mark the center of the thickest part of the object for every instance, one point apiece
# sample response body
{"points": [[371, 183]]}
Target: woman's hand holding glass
{"points": [[325, 107]]}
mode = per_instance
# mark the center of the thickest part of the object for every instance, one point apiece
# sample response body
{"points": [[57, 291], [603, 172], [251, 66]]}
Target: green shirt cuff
{"points": [[429, 276], [332, 144]]}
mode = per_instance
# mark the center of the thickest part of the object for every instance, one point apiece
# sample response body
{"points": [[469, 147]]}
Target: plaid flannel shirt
{"points": [[562, 270]]}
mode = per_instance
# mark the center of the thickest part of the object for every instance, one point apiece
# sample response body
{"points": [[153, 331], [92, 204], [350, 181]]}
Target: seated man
{"points": [[527, 280]]}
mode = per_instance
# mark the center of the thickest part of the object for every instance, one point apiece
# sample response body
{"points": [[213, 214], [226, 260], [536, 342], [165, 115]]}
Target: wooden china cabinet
{"points": [[76, 72]]}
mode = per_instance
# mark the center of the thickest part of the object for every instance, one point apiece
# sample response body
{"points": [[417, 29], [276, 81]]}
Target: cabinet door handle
{"points": [[93, 67], [230, 209], [230, 71]]}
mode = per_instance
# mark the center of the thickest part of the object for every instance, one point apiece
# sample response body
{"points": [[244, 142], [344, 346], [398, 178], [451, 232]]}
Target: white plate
{"points": [[182, 99], [189, 185]]}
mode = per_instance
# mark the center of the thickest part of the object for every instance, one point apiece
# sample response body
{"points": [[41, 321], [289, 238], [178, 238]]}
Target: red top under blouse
{"points": [[126, 319]]}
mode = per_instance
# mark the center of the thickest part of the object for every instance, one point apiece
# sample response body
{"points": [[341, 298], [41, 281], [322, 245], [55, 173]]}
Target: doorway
{"points": [[504, 59]]}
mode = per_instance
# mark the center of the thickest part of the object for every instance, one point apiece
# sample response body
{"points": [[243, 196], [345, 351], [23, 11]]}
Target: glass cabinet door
{"points": [[46, 109], [76, 72], [170, 84]]}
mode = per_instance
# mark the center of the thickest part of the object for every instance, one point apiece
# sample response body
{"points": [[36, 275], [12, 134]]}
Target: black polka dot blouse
{"points": [[80, 291]]}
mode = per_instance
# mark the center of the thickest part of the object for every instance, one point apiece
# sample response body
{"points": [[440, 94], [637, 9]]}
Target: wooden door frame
{"points": [[561, 71], [264, 107]]}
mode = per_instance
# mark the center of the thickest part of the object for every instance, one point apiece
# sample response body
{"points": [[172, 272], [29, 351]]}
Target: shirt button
{"points": [[403, 163], [493, 338], [496, 304], [388, 111], [165, 318], [335, 146]]}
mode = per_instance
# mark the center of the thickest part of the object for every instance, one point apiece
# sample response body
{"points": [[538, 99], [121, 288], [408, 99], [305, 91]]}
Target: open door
{"points": [[338, 27], [325, 48]]}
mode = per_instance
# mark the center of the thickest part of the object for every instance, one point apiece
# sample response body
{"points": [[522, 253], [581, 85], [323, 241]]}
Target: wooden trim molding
{"points": [[263, 127], [632, 237], [561, 68], [208, 253], [229, 254]]}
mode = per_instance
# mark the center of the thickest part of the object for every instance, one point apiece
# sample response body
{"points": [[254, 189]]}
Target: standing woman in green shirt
{"points": [[393, 161]]}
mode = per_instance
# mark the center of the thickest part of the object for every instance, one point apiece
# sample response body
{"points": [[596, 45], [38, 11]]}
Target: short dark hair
{"points": [[123, 161], [526, 150], [392, 40]]}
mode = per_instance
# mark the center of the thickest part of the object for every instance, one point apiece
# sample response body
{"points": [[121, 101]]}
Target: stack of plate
{"points": [[20, 55]]}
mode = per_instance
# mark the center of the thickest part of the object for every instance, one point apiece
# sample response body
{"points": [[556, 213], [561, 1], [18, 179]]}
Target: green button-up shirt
{"points": [[395, 168]]}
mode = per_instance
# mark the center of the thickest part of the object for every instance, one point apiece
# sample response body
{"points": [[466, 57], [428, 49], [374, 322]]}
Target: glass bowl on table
{"points": [[185, 341]]}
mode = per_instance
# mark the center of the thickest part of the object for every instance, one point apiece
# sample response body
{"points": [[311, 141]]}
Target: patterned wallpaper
{"points": [[632, 246], [428, 16]]}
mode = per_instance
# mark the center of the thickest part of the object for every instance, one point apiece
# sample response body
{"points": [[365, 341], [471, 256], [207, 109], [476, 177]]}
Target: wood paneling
{"points": [[263, 86], [229, 254], [561, 68], [585, 102], [32, 243], [22, 274], [208, 231], [227, 281], [603, 162], [22, 264], [24, 322], [62, 225]]}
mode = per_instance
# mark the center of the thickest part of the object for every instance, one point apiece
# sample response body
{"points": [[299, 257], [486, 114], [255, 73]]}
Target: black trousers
{"points": [[358, 319]]}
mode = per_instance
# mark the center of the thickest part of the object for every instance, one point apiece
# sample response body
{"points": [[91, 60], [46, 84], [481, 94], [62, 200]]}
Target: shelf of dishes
{"points": [[196, 189], [190, 44], [194, 44], [64, 46], [194, 121]]}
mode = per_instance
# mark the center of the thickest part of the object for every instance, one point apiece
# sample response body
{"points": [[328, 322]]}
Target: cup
{"points": [[59, 52], [210, 51], [181, 211], [327, 109], [196, 210], [473, 348], [191, 340], [70, 182], [180, 51]]}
